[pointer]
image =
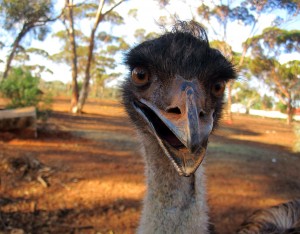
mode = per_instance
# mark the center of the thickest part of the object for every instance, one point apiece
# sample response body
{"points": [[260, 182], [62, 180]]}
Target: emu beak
{"points": [[184, 137]]}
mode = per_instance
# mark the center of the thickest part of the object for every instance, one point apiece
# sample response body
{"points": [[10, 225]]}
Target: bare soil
{"points": [[83, 173]]}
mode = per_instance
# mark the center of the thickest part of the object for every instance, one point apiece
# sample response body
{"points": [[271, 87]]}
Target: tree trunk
{"points": [[85, 86], [13, 51], [71, 34], [229, 102], [289, 110]]}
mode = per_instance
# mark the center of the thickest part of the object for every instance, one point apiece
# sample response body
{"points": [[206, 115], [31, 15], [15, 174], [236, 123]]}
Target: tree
{"points": [[23, 56], [98, 17], [218, 16], [24, 17], [283, 80], [246, 95], [69, 17], [266, 49], [248, 13], [79, 49]]}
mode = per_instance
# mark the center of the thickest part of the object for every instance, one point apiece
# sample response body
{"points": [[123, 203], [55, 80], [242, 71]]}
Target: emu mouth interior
{"points": [[160, 127], [185, 163]]}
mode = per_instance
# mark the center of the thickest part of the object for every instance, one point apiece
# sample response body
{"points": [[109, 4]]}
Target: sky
{"points": [[147, 15]]}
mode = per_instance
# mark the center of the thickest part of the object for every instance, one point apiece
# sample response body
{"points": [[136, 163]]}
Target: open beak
{"points": [[182, 136]]}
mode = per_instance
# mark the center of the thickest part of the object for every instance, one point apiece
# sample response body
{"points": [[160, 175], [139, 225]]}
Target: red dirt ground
{"points": [[83, 173]]}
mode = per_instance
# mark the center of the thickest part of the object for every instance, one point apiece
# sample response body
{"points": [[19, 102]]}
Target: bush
{"points": [[21, 88], [281, 107]]}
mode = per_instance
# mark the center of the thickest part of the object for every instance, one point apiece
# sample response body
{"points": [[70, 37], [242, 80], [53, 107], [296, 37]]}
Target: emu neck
{"points": [[173, 204]]}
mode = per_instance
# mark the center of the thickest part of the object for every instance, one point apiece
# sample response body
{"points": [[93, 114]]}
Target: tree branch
{"points": [[112, 8], [277, 81]]}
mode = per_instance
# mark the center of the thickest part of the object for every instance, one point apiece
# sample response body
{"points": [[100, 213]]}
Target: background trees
{"points": [[22, 17], [282, 79], [79, 48], [100, 16], [93, 33], [247, 13], [68, 20]]}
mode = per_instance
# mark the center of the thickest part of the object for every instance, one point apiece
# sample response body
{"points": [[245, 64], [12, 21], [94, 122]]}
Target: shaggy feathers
{"points": [[281, 219], [181, 54]]}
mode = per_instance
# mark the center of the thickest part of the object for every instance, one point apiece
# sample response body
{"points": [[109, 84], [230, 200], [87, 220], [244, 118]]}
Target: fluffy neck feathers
{"points": [[173, 204]]}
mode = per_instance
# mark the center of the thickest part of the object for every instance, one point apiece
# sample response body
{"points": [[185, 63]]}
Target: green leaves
{"points": [[26, 12], [141, 35], [204, 11], [245, 94], [21, 88], [242, 14], [274, 41]]}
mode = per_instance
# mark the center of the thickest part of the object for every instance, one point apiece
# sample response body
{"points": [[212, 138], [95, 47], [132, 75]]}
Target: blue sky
{"points": [[148, 14]]}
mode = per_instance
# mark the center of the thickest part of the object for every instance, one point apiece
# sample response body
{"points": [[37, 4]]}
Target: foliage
{"points": [[283, 79], [91, 56], [106, 45], [248, 13], [267, 102], [246, 95], [55, 88], [23, 90], [21, 17], [224, 47], [141, 35], [26, 14], [274, 41], [281, 107]]}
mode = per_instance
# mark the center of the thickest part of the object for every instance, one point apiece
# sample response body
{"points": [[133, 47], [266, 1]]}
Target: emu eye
{"points": [[139, 76], [218, 88]]}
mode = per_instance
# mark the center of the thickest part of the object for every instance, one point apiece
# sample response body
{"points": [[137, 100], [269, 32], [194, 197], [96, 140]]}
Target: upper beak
{"points": [[188, 129], [185, 127]]}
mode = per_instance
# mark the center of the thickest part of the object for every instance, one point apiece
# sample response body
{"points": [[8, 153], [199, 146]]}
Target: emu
{"points": [[174, 98]]}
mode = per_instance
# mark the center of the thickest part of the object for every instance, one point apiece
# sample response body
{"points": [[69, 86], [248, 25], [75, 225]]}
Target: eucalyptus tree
{"points": [[246, 95], [79, 49], [68, 20], [100, 15], [266, 49], [282, 79], [22, 17], [218, 16]]}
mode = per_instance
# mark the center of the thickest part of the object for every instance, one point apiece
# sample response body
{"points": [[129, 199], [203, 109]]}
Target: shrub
{"points": [[21, 88], [282, 107]]}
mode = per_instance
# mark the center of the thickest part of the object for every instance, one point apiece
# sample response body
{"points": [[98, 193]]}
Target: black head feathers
{"points": [[184, 51], [193, 28]]}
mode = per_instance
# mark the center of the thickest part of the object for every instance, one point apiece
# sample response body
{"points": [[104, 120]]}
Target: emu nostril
{"points": [[174, 110], [201, 114]]}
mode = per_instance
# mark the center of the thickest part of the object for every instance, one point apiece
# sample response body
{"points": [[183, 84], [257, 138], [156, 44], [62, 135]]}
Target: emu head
{"points": [[174, 92]]}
